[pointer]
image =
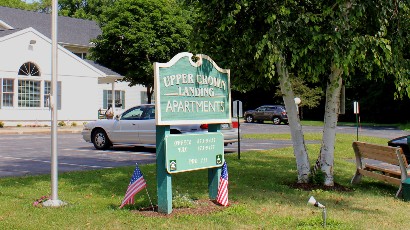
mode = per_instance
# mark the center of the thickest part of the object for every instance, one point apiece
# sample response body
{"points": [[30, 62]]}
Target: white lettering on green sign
{"points": [[188, 91], [186, 152]]}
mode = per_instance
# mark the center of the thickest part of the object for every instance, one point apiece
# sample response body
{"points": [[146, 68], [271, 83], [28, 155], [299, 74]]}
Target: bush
{"points": [[62, 123], [19, 125], [74, 124], [318, 178], [182, 201], [1, 124]]}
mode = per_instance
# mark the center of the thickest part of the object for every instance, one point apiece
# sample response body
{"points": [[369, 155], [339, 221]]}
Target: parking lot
{"points": [[30, 154]]}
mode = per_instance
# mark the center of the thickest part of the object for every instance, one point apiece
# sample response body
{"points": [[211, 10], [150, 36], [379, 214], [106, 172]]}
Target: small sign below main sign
{"points": [[187, 152]]}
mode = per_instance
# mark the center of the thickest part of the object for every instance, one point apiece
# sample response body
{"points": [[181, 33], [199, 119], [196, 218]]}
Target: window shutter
{"points": [[59, 95], [1, 92], [123, 99], [105, 106]]}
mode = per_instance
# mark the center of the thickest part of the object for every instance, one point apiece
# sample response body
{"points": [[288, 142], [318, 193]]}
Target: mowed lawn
{"points": [[259, 194]]}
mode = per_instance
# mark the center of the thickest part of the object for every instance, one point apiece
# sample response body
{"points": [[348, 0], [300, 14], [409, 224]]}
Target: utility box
{"points": [[406, 189]]}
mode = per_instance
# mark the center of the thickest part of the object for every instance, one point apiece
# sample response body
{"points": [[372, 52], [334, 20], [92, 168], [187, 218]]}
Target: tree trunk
{"points": [[149, 94], [330, 122], [299, 147]]}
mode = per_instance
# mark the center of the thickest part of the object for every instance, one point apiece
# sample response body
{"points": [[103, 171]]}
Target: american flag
{"points": [[137, 183], [222, 197]]}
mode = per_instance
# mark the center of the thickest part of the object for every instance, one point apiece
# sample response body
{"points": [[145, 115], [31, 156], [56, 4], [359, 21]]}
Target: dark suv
{"points": [[275, 113]]}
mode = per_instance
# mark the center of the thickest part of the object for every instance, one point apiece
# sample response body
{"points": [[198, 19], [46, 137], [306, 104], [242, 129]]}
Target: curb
{"points": [[34, 131]]}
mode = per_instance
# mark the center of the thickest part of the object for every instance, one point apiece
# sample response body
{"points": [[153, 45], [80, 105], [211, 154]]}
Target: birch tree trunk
{"points": [[299, 147], [330, 123]]}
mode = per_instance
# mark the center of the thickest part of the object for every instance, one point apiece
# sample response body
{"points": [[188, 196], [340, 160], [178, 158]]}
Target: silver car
{"points": [[136, 127]]}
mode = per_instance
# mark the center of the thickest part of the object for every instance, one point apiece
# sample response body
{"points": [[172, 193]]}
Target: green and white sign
{"points": [[190, 92], [187, 152]]}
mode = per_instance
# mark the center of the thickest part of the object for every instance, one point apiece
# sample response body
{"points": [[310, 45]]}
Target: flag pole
{"points": [[152, 206], [54, 201]]}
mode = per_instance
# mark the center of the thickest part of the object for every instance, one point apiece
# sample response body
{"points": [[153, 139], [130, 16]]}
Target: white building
{"points": [[84, 87]]}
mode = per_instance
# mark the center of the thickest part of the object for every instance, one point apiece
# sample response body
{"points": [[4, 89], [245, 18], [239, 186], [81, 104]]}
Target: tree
{"points": [[136, 33], [310, 96], [86, 9], [252, 38], [18, 4], [325, 40], [359, 36]]}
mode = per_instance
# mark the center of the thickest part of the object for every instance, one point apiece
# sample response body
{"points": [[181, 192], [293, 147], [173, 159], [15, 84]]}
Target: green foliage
{"points": [[74, 124], [316, 178], [310, 96], [182, 201], [137, 33], [1, 124], [19, 4], [19, 125], [89, 9], [62, 123], [310, 38]]}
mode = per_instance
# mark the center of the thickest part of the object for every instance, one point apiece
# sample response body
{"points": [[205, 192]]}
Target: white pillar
{"points": [[113, 97]]}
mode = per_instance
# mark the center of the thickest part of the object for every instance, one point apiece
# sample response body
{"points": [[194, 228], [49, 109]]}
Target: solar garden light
{"points": [[313, 202]]}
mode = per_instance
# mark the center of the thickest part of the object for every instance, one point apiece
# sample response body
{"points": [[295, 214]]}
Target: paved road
{"points": [[29, 154]]}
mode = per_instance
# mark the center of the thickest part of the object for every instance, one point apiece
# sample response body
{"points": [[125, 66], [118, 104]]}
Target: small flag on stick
{"points": [[137, 183], [222, 197]]}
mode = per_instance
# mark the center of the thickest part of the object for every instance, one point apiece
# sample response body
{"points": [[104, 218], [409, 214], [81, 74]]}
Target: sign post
{"points": [[356, 111], [189, 92], [237, 112]]}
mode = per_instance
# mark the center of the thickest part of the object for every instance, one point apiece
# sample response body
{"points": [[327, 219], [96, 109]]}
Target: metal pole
{"points": [[357, 127], [239, 136], [54, 163], [54, 159]]}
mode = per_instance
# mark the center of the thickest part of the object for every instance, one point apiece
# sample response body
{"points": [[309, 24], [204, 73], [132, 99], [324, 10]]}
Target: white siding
{"points": [[82, 96]]}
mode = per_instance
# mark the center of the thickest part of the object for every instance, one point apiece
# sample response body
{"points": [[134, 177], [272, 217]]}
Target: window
{"points": [[7, 92], [47, 92], [28, 93], [133, 114], [29, 69], [81, 55], [119, 99], [144, 98]]}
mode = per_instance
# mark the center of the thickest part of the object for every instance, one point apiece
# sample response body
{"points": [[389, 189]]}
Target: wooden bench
{"points": [[380, 162], [101, 114]]}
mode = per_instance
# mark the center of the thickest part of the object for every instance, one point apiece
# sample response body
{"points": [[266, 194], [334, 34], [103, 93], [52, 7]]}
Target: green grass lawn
{"points": [[258, 192]]}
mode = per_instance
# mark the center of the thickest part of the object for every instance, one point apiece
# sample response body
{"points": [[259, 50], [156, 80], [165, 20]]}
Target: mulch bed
{"points": [[201, 207], [204, 206]]}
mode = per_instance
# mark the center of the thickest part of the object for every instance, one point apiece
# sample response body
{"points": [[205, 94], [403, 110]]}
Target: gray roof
{"points": [[103, 69], [70, 30], [7, 32]]}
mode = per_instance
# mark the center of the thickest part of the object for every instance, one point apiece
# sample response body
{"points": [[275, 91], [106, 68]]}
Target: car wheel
{"points": [[249, 119], [100, 139], [276, 120]]}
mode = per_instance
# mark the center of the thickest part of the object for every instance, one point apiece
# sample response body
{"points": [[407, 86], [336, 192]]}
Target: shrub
{"points": [[74, 124], [1, 124], [61, 123], [19, 125], [182, 201], [317, 178]]}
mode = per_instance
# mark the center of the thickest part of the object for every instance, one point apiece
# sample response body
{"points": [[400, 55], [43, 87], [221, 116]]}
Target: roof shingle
{"points": [[70, 30]]}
